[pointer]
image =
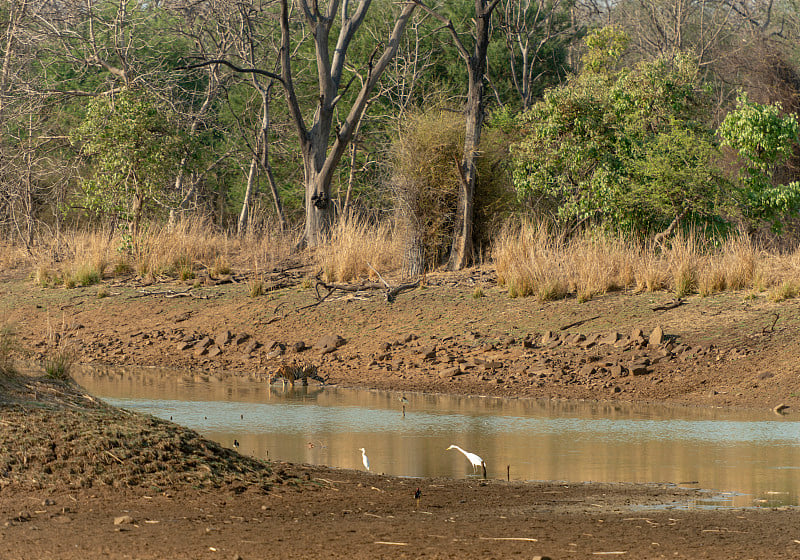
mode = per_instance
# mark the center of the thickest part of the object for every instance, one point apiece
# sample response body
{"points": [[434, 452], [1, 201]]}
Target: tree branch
{"points": [[233, 67]]}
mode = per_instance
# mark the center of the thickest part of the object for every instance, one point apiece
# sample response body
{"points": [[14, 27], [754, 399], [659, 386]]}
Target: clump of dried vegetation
{"points": [[530, 259]]}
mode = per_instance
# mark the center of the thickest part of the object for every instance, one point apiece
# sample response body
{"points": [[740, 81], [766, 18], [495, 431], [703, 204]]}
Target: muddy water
{"points": [[752, 458]]}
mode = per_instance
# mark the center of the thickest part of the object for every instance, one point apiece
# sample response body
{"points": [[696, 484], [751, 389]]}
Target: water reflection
{"points": [[751, 456]]}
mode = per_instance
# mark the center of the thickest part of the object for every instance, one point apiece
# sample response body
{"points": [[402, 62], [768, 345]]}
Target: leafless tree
{"points": [[527, 27]]}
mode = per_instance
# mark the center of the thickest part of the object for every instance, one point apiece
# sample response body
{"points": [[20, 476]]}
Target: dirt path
{"points": [[187, 498]]}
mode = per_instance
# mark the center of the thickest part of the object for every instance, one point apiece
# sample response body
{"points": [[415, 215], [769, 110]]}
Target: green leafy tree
{"points": [[764, 139], [628, 148], [134, 151]]}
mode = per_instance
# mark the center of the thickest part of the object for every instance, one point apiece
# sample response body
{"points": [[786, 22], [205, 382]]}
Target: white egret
{"points": [[364, 458], [474, 459]]}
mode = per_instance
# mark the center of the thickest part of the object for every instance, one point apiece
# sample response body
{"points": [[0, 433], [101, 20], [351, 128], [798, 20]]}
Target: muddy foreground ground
{"points": [[81, 480]]}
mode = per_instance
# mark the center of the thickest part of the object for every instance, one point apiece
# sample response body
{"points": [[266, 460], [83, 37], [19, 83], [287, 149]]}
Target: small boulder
{"points": [[639, 367], [548, 337], [449, 372], [223, 337], [610, 338], [328, 343], [656, 337], [276, 349], [252, 346], [204, 342], [123, 520], [428, 353]]}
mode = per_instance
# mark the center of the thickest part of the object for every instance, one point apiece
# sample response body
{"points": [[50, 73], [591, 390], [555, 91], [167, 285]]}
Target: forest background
{"points": [[658, 139]]}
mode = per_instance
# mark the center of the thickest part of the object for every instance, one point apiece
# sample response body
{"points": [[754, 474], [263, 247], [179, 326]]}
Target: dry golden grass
{"points": [[529, 258], [358, 249], [531, 261], [86, 257]]}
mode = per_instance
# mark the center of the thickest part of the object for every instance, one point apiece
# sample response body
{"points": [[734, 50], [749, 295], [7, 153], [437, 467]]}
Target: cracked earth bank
{"points": [[81, 480]]}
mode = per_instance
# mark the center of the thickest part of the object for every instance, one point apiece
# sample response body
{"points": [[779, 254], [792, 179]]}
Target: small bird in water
{"points": [[236, 444], [364, 458], [417, 496]]}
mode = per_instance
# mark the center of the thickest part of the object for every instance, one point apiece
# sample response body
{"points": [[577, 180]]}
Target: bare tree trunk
{"points": [[319, 161], [241, 226], [462, 251]]}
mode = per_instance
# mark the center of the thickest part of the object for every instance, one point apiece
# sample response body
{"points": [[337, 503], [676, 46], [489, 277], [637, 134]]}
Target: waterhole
{"points": [[743, 458]]}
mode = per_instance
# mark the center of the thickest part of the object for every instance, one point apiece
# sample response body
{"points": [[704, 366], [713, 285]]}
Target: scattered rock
{"points": [[241, 339], [656, 337], [639, 367], [276, 349], [223, 337], [615, 370], [252, 346], [123, 520], [213, 351], [610, 338], [780, 409], [299, 347], [450, 372], [329, 343], [203, 343], [428, 353]]}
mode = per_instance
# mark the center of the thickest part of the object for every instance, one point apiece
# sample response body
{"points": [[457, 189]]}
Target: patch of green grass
{"points": [[185, 272], [87, 275], [58, 364], [255, 288]]}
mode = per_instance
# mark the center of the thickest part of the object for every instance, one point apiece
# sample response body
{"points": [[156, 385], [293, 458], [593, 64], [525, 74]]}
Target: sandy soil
{"points": [[81, 480]]}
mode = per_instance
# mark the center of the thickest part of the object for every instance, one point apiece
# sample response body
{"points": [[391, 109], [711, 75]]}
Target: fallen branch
{"points": [[672, 305], [389, 293], [578, 323], [171, 294]]}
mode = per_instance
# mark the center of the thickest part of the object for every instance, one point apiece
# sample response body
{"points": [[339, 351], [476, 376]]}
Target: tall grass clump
{"points": [[58, 363], [7, 344], [732, 265], [531, 261], [175, 250], [357, 249], [600, 263], [76, 258], [683, 256]]}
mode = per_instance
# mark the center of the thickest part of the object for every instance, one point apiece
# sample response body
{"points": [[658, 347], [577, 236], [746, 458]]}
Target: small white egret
{"points": [[364, 458], [474, 459]]}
